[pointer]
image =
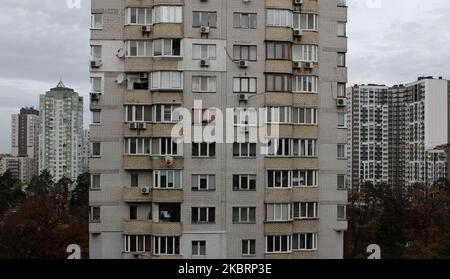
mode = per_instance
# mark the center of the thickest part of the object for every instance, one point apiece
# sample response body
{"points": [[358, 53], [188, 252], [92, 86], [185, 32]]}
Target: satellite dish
{"points": [[120, 53], [120, 78], [168, 161]]}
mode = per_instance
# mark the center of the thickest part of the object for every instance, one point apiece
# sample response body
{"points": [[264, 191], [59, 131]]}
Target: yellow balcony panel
{"points": [[306, 194], [305, 99], [159, 163], [278, 256], [168, 2], [143, 162], [305, 226], [310, 37], [133, 194], [134, 32], [278, 99], [279, 163], [167, 30], [303, 71], [172, 229], [305, 255], [310, 6], [167, 97], [284, 130], [278, 195], [305, 163], [277, 228], [137, 97], [167, 196], [306, 132], [279, 4], [138, 64], [279, 34], [139, 3], [137, 227], [130, 256], [152, 130], [166, 64], [279, 66], [167, 257]]}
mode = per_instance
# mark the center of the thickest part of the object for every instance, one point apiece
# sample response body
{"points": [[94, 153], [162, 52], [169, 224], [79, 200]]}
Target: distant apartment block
{"points": [[22, 168], [394, 132], [61, 132], [86, 151], [152, 197]]}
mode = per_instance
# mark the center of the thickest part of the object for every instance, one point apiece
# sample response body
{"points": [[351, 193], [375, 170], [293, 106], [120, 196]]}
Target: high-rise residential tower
{"points": [[61, 132], [153, 197], [396, 131]]}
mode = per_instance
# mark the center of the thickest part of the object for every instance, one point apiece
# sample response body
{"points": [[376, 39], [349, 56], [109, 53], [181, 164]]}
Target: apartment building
{"points": [[395, 132], [153, 197], [61, 132], [22, 168]]}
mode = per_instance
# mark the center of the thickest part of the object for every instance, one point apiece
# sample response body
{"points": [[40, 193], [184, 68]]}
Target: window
{"points": [[248, 247], [137, 243], [167, 80], [244, 52], [168, 14], [306, 210], [341, 120], [203, 51], [166, 113], [278, 244], [97, 21], [139, 16], [341, 212], [203, 116], [305, 84], [244, 85], [278, 179], [341, 151], [305, 53], [278, 83], [96, 85], [166, 245], [278, 212], [164, 147], [292, 147], [341, 59], [278, 51], [136, 48], [96, 117], [304, 116], [305, 178], [137, 146], [279, 115], [203, 149], [203, 215], [96, 149], [243, 182], [341, 29], [94, 214], [95, 182], [341, 90], [133, 212], [244, 215], [341, 181], [245, 149], [199, 248], [167, 179], [204, 19], [304, 241], [245, 117], [138, 113], [245, 20], [166, 47], [279, 18], [96, 52], [203, 182], [137, 81], [307, 22], [204, 84], [134, 180]]}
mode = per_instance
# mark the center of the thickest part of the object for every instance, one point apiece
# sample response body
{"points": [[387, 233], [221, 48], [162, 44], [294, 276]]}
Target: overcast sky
{"points": [[390, 41]]}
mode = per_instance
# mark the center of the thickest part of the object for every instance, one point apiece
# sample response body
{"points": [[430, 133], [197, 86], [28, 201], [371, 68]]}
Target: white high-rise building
{"points": [[61, 133]]}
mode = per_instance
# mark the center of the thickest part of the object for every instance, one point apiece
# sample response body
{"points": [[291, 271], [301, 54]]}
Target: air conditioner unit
{"points": [[341, 102], [298, 2], [145, 190], [308, 65], [243, 63], [204, 63], [204, 29], [142, 126], [133, 126], [243, 97], [95, 96], [146, 28], [296, 65], [96, 63], [298, 32]]}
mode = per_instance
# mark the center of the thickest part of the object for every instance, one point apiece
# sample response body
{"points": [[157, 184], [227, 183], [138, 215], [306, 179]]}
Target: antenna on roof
{"points": [[60, 83]]}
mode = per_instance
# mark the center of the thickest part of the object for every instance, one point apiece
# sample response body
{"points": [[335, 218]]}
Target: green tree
{"points": [[40, 185], [10, 192], [79, 201]]}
